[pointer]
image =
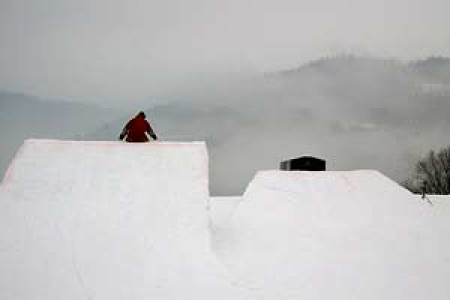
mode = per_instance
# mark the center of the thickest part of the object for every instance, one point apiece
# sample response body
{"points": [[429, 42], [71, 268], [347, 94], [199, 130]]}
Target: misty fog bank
{"points": [[354, 112], [357, 113]]}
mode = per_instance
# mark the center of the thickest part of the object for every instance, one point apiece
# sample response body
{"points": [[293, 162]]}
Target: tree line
{"points": [[431, 174]]}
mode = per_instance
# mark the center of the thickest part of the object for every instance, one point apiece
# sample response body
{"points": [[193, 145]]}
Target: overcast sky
{"points": [[111, 50]]}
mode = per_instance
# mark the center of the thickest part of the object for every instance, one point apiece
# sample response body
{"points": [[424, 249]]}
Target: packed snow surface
{"points": [[336, 235], [110, 220]]}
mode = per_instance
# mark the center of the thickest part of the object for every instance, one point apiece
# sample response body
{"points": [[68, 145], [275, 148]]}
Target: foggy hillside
{"points": [[24, 116], [354, 112]]}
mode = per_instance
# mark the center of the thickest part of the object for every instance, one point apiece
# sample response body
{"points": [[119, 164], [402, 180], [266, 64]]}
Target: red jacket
{"points": [[135, 130]]}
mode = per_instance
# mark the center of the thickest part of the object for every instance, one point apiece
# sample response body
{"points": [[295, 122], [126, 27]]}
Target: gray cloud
{"points": [[127, 50]]}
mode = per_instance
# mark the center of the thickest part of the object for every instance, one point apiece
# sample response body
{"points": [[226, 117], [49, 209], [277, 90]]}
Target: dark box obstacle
{"points": [[304, 163]]}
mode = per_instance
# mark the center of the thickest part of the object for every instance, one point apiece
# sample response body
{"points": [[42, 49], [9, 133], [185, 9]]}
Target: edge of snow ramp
{"points": [[326, 183], [108, 220], [335, 201], [52, 155]]}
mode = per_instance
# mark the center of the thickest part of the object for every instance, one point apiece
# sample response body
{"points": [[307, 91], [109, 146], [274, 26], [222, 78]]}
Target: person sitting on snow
{"points": [[135, 130]]}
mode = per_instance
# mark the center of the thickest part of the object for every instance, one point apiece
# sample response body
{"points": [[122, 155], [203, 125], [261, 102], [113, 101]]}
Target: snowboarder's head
{"points": [[141, 114]]}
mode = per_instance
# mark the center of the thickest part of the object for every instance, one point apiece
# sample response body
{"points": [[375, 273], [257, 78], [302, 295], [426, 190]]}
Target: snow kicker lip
{"points": [[7, 178], [9, 173]]}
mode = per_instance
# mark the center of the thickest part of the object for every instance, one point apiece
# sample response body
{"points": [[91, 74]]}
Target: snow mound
{"points": [[111, 220], [108, 220], [336, 235]]}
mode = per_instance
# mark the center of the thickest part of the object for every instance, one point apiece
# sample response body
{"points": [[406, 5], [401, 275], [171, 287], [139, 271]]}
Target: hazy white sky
{"points": [[111, 50]]}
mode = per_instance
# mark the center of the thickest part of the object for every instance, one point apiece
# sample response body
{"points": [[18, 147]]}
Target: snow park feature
{"points": [[108, 220], [336, 235], [111, 220]]}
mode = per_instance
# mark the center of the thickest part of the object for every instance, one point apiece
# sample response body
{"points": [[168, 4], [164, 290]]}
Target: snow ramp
{"points": [[108, 220], [336, 235]]}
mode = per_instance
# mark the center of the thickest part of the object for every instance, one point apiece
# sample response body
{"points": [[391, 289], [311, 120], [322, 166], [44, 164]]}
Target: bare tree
{"points": [[432, 174]]}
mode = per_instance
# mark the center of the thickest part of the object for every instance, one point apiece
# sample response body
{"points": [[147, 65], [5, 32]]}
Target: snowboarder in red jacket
{"points": [[135, 130]]}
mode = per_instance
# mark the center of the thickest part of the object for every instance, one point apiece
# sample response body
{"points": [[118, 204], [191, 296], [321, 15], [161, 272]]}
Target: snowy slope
{"points": [[336, 235], [221, 209], [443, 201], [108, 220]]}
